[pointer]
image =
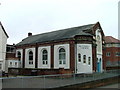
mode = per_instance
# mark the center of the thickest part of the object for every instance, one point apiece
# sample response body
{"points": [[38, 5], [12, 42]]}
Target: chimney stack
{"points": [[29, 34]]}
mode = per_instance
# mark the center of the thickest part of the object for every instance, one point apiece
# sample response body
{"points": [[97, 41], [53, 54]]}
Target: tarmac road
{"points": [[117, 85]]}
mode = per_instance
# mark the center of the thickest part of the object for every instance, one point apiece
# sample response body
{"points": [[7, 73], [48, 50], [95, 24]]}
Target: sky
{"points": [[19, 17], [119, 20]]}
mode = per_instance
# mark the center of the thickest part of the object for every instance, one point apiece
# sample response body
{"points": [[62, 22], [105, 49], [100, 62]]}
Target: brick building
{"points": [[112, 52], [72, 50], [11, 60]]}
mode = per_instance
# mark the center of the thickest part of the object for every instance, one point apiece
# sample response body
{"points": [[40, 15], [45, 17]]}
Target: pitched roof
{"points": [[57, 35], [4, 29], [110, 39]]}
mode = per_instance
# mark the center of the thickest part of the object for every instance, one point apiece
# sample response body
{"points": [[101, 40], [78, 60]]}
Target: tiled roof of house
{"points": [[110, 39], [3, 29], [57, 35]]}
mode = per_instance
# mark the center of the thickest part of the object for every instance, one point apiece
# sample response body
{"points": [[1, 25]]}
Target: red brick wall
{"points": [[25, 71], [52, 56], [36, 56], [94, 57], [10, 55], [72, 55], [104, 60], [112, 56], [23, 58]]}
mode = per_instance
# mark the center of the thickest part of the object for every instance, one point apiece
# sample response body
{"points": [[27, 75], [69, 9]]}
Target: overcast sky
{"points": [[37, 16]]}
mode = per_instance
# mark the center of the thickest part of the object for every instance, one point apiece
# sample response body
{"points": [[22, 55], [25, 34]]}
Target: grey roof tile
{"points": [[57, 35]]}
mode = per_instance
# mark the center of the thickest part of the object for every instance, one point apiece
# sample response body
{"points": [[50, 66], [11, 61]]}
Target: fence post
{"points": [[1, 81], [74, 76], [44, 81], [22, 81], [84, 78], [93, 76]]}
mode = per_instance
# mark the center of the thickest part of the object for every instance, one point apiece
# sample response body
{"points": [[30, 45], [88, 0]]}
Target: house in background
{"points": [[11, 60], [3, 41], [73, 50], [112, 52]]}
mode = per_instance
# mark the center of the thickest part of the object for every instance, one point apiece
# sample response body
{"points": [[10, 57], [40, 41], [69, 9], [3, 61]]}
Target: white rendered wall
{"points": [[21, 60], [56, 56], [1, 58], [3, 41], [99, 47], [13, 65], [27, 65], [84, 49], [99, 41], [40, 64]]}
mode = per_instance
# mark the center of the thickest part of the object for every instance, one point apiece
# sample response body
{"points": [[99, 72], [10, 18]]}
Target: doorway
{"points": [[99, 65]]}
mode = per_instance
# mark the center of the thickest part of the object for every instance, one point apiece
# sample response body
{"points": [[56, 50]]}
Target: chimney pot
{"points": [[29, 34]]}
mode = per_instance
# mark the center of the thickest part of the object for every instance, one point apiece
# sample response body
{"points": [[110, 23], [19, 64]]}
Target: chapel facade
{"points": [[72, 50]]}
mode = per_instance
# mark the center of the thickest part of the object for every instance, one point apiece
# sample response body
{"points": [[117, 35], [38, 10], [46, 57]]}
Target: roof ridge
{"points": [[4, 29]]}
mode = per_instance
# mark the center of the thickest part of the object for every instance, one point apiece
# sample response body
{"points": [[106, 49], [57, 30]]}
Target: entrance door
{"points": [[99, 65]]}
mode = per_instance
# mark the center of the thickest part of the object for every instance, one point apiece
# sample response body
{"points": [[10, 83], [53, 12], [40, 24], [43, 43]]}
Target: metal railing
{"points": [[53, 81]]}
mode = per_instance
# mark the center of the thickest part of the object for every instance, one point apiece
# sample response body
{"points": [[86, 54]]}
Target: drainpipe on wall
{"points": [[75, 57]]}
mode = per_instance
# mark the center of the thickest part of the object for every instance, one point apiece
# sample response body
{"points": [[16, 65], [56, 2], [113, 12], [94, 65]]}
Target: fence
{"points": [[53, 81]]}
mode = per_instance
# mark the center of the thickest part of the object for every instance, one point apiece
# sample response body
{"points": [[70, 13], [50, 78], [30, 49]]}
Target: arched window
{"points": [[62, 56], [79, 57], [89, 60], [84, 58], [15, 63], [44, 57], [19, 55], [30, 57]]}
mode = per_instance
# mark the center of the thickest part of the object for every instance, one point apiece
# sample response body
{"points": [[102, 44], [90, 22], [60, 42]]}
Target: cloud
{"points": [[38, 16]]}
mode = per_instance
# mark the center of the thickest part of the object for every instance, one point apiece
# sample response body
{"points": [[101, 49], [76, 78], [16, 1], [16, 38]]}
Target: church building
{"points": [[72, 50]]}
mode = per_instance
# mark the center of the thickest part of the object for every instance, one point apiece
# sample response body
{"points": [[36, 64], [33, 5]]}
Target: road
{"points": [[117, 85]]}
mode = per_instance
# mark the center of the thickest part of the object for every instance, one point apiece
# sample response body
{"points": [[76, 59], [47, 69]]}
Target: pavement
{"points": [[52, 81], [116, 85]]}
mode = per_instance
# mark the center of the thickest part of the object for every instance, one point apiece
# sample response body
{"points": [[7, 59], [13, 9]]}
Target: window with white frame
{"points": [[79, 57], [44, 57], [62, 56], [89, 60], [108, 54], [10, 63], [117, 54], [10, 49], [15, 63], [30, 57], [84, 58]]}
